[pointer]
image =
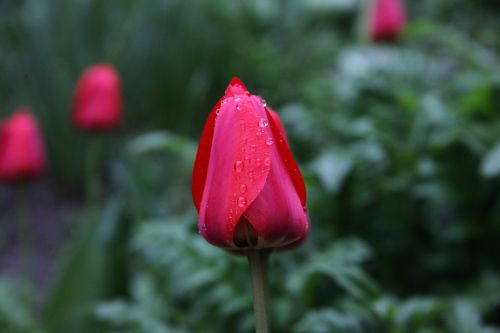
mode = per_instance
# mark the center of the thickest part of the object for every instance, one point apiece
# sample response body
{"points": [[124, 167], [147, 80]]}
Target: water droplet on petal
{"points": [[259, 132], [217, 112], [263, 101], [242, 202], [269, 141], [267, 161], [243, 188], [258, 162], [238, 166], [253, 148], [263, 123]]}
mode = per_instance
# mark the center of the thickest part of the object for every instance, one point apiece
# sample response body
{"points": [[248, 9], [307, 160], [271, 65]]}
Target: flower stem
{"points": [[25, 236], [92, 171], [363, 23], [258, 261]]}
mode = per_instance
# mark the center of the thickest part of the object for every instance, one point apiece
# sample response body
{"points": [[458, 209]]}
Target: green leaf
{"points": [[158, 141], [90, 272], [332, 168], [16, 308], [490, 165], [329, 321]]}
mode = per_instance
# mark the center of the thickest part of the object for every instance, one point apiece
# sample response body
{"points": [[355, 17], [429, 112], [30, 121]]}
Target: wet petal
{"points": [[287, 157], [237, 167], [278, 214], [202, 157]]}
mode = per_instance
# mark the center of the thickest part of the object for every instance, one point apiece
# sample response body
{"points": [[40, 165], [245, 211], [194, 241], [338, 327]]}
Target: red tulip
{"points": [[247, 187], [97, 101], [387, 19], [22, 153]]}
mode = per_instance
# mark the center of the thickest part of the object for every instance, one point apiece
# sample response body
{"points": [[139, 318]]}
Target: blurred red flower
{"points": [[97, 101], [387, 19], [22, 152], [246, 185]]}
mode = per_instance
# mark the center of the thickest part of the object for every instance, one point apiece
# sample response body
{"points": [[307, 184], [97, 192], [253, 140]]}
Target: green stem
{"points": [[365, 8], [258, 261], [92, 171], [25, 236]]}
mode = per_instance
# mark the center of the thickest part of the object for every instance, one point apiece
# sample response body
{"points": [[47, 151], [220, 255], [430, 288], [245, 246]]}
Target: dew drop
{"points": [[237, 99], [242, 202], [243, 188], [238, 166], [269, 141], [217, 112], [204, 227], [258, 162], [259, 133], [263, 123], [267, 161], [263, 101], [253, 148]]}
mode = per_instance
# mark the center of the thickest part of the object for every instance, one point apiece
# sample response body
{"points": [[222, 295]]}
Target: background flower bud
{"points": [[22, 152], [97, 101]]}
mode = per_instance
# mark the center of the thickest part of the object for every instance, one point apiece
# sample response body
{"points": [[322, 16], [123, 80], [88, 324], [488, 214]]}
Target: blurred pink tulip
{"points": [[97, 101], [387, 19], [22, 152]]}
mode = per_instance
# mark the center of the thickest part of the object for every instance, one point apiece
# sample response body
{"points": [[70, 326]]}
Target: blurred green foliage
{"points": [[399, 144]]}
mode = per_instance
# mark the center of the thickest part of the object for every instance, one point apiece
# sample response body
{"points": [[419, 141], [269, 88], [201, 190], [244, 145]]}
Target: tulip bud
{"points": [[97, 101], [22, 153], [387, 19], [246, 185]]}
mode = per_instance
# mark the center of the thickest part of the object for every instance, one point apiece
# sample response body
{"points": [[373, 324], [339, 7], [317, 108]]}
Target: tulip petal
{"points": [[22, 152], [202, 158], [238, 166], [203, 153], [286, 155], [278, 214], [277, 121], [388, 19], [97, 101], [236, 87]]}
